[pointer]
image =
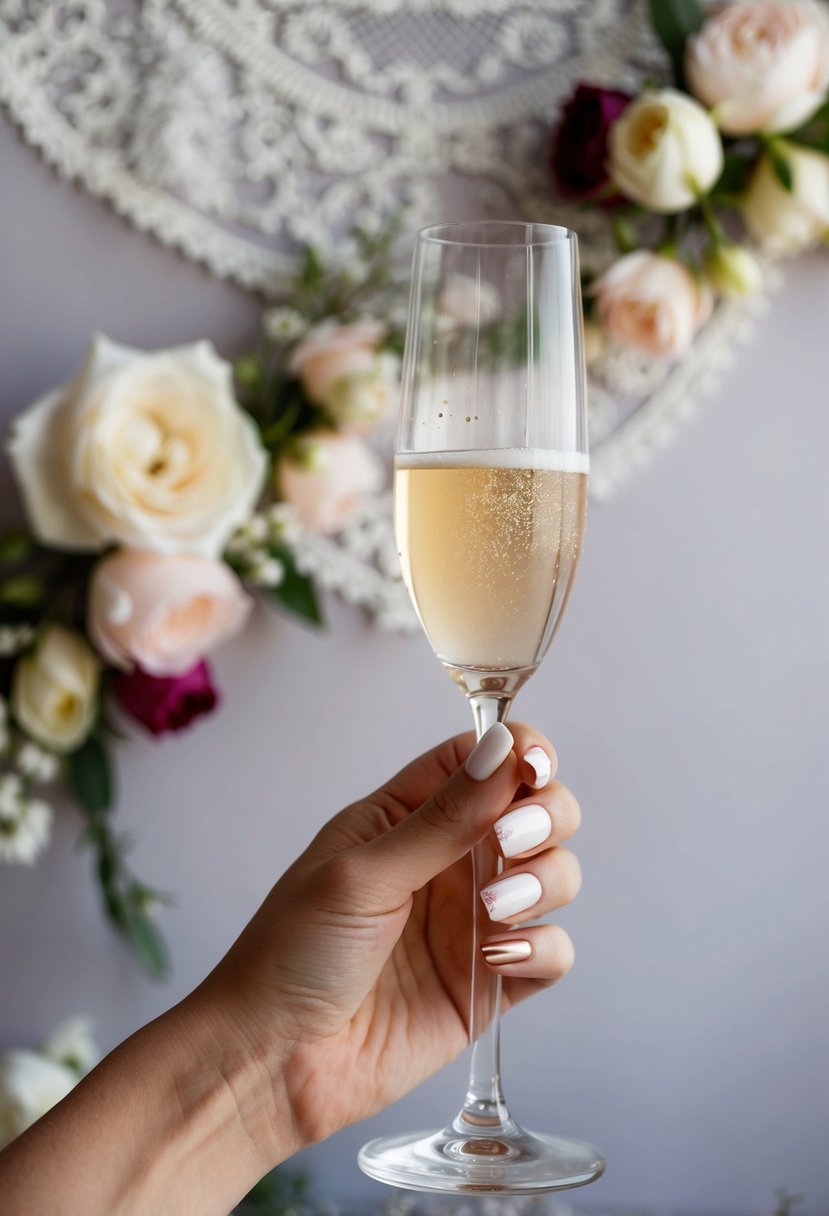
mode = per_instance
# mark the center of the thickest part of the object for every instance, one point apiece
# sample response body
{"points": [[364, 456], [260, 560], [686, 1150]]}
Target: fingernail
{"points": [[539, 761], [511, 895], [523, 829], [489, 753], [511, 951]]}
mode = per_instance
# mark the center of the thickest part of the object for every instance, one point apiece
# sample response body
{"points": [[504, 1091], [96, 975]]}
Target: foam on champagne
{"points": [[541, 459]]}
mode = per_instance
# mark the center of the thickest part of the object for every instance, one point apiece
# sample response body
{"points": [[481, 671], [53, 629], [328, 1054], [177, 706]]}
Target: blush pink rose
{"points": [[652, 303], [166, 703], [330, 353], [328, 479], [162, 613], [761, 66]]}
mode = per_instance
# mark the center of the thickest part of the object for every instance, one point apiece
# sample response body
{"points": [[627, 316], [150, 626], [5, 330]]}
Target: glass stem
{"points": [[484, 1110]]}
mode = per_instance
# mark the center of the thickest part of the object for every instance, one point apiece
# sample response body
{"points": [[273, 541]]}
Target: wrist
{"points": [[237, 1075]]}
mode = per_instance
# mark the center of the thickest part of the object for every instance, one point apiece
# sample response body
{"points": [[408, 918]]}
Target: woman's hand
{"points": [[348, 987], [352, 980]]}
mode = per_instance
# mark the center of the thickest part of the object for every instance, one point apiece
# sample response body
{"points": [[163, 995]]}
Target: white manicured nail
{"points": [[539, 761], [489, 752], [523, 829], [511, 895]]}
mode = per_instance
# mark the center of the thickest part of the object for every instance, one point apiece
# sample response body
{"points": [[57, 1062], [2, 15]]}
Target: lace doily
{"points": [[234, 130]]}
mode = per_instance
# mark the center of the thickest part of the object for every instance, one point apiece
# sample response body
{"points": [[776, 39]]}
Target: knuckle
{"points": [[344, 872], [445, 807]]}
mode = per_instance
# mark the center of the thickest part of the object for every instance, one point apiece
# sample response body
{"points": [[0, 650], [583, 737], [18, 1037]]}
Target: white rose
{"points": [[73, 1045], [786, 221], [150, 450], [733, 272], [665, 151], [55, 689], [652, 303], [29, 1086], [360, 400], [761, 67]]}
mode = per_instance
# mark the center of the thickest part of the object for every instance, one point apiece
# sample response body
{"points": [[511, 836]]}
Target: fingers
{"points": [[543, 821], [450, 821], [533, 887], [543, 953], [537, 756]]}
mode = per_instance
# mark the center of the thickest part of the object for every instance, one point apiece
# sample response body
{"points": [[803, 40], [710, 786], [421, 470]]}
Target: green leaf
{"points": [[296, 592], [781, 166], [248, 371], [89, 776], [736, 171], [145, 938], [22, 591], [624, 234], [16, 548], [313, 271], [814, 133], [674, 21]]}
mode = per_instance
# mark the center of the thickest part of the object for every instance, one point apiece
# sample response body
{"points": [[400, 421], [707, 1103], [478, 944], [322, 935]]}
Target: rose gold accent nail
{"points": [[512, 951]]}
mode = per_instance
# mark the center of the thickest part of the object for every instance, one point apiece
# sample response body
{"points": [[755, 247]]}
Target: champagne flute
{"points": [[490, 494]]}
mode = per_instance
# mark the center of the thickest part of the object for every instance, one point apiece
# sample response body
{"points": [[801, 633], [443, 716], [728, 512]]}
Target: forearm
{"points": [[181, 1118]]}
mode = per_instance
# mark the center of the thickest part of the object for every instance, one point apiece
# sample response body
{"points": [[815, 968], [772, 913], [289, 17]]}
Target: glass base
{"points": [[520, 1163]]}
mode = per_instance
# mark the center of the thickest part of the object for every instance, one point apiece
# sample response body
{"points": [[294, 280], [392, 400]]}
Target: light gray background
{"points": [[686, 693]]}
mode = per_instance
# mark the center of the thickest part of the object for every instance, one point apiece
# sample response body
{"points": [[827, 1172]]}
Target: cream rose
{"points": [[30, 1084], [330, 353], [652, 303], [664, 151], [733, 272], [329, 479], [55, 689], [163, 613], [149, 450], [761, 66], [787, 221]]}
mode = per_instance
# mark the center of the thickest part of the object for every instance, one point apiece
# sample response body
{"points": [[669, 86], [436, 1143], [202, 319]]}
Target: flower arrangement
{"points": [[161, 489], [705, 178]]}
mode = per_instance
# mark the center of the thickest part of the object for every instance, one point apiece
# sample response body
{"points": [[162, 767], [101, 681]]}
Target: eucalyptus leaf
{"points": [[145, 937]]}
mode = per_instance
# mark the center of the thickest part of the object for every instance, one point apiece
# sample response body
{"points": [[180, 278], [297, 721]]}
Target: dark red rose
{"points": [[579, 147], [166, 703]]}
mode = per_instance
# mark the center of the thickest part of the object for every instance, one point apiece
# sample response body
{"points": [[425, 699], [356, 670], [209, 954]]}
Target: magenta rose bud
{"points": [[166, 703], [579, 147]]}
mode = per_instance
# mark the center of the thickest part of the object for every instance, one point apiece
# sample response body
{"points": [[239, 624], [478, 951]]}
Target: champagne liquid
{"points": [[489, 543]]}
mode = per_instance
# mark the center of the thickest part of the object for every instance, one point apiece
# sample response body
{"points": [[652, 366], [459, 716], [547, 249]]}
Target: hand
{"points": [[352, 980]]}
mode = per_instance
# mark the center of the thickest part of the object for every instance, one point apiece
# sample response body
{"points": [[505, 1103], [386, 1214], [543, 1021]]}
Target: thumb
{"points": [[445, 827]]}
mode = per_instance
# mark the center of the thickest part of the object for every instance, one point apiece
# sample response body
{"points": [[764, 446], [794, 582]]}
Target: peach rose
{"points": [[761, 66], [163, 613], [330, 353], [652, 303], [328, 478]]}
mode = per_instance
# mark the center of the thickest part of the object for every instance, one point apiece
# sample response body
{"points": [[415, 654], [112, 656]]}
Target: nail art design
{"points": [[540, 762], [489, 752], [512, 951], [511, 895], [523, 829]]}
